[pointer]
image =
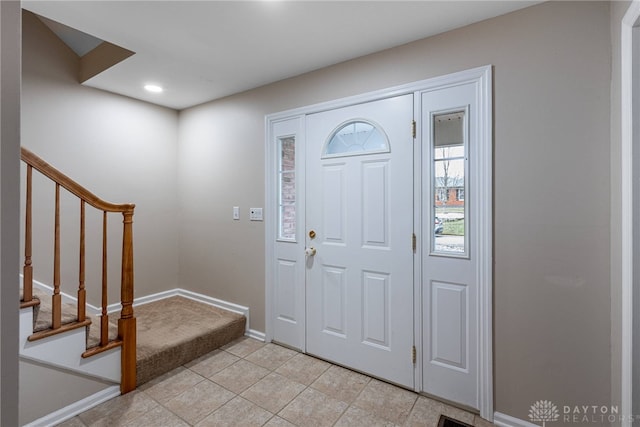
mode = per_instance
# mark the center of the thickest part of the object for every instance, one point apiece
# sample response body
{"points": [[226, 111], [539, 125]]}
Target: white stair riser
{"points": [[65, 351]]}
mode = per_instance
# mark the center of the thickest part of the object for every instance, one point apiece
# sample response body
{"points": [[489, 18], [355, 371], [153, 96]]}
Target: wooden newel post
{"points": [[127, 322], [27, 272]]}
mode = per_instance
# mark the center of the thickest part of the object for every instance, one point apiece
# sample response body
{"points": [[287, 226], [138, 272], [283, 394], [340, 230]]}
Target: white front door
{"points": [[359, 226]]}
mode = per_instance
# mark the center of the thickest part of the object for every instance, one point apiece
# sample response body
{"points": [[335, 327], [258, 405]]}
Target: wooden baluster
{"points": [[82, 293], [104, 319], [27, 272], [127, 322], [56, 300]]}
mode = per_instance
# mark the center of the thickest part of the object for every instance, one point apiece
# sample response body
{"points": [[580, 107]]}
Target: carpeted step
{"points": [[42, 314], [170, 332], [176, 330]]}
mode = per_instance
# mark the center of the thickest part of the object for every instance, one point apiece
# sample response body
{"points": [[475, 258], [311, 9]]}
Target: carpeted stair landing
{"points": [[171, 331], [176, 330]]}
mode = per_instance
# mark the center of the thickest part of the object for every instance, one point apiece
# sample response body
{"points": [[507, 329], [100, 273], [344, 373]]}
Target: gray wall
{"points": [[551, 196], [38, 386], [121, 149], [9, 155]]}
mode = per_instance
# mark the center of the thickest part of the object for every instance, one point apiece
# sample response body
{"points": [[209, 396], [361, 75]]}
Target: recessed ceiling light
{"points": [[153, 88]]}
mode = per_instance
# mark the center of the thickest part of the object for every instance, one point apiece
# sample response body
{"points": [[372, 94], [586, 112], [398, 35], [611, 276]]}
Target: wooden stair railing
{"points": [[127, 322]]}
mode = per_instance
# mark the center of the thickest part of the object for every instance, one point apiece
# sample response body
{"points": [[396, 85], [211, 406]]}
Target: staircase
{"points": [[171, 332], [64, 331], [76, 328]]}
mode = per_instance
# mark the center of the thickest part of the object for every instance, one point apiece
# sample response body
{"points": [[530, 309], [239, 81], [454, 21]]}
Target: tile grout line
{"points": [[289, 374]]}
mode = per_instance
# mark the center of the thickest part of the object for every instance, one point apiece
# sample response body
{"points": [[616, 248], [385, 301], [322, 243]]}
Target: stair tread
{"points": [[42, 318], [177, 330]]}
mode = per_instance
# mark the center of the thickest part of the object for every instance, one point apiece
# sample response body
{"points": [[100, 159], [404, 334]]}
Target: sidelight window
{"points": [[287, 188], [449, 183]]}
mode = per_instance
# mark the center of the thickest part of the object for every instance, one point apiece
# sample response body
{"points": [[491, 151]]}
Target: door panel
{"points": [[375, 309], [450, 255], [359, 203], [285, 292], [334, 300], [375, 215], [333, 203], [449, 335]]}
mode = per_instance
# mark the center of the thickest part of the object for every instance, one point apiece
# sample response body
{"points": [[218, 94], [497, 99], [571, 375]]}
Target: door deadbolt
{"points": [[312, 234]]}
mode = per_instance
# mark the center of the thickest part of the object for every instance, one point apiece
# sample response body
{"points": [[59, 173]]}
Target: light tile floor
{"points": [[249, 383]]}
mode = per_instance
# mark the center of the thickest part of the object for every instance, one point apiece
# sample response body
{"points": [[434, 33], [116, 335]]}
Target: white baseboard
{"points": [[257, 335], [504, 420], [229, 306], [225, 305], [115, 307], [76, 408]]}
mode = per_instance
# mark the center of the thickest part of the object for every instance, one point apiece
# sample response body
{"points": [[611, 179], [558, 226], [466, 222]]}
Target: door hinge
{"points": [[414, 354], [413, 129], [413, 242]]}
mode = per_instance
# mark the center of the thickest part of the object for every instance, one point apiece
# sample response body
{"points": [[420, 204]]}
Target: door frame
{"points": [[630, 142], [482, 78]]}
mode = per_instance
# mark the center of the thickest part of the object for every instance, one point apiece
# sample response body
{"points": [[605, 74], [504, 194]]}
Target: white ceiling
{"points": [[204, 50]]}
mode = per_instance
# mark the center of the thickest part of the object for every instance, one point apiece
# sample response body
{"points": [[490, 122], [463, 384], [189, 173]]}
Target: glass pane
{"points": [[288, 222], [287, 189], [449, 183], [356, 137], [288, 154]]}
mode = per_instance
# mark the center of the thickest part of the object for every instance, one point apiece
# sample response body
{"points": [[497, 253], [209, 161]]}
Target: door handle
{"points": [[310, 251]]}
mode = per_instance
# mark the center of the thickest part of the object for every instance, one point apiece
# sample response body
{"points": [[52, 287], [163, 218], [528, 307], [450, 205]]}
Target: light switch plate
{"points": [[236, 212], [255, 214]]}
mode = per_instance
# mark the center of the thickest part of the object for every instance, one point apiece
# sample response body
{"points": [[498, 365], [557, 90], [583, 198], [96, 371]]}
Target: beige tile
{"points": [[199, 401], [386, 401], [73, 422], [171, 384], [424, 412], [212, 363], [356, 417], [119, 410], [429, 410], [341, 383], [271, 356], [278, 422], [240, 376], [243, 347], [273, 392], [158, 416], [303, 369], [237, 412], [478, 421], [313, 408]]}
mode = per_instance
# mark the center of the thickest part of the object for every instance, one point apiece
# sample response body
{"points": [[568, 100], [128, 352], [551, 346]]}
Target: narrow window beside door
{"points": [[287, 188], [449, 183]]}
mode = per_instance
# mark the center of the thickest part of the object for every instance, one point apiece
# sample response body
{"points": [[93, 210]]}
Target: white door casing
{"points": [[481, 200], [360, 207], [630, 94]]}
